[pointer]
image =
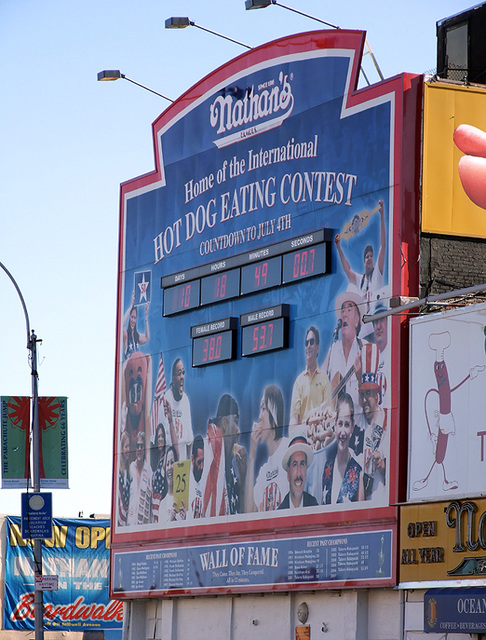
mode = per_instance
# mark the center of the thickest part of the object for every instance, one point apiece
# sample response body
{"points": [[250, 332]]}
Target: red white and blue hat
{"points": [[299, 443], [370, 360]]}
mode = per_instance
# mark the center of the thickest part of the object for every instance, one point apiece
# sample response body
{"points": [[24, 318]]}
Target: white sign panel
{"points": [[46, 583], [447, 425]]}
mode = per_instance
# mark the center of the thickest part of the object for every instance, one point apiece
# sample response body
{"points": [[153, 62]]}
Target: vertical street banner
{"points": [[16, 424], [53, 443], [15, 441], [78, 554]]}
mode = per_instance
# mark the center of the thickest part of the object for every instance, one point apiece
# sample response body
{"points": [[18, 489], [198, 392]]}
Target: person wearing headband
{"points": [[267, 492]]}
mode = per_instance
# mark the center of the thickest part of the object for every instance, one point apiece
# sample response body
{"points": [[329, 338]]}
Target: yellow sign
{"points": [[181, 484], [443, 541], [446, 208]]}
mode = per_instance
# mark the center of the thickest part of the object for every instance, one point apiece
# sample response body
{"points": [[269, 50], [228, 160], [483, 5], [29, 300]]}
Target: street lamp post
{"points": [[263, 4], [32, 341], [109, 75], [182, 23]]}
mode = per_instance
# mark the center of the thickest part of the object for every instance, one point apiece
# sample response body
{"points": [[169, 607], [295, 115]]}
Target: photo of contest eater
{"points": [[369, 439], [140, 502], [373, 277], [136, 392], [311, 404], [159, 481], [267, 491], [342, 479], [224, 492], [197, 480], [343, 360], [177, 412], [132, 339], [295, 462]]}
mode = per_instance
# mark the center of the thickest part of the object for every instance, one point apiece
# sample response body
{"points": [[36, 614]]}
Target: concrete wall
{"points": [[333, 615]]}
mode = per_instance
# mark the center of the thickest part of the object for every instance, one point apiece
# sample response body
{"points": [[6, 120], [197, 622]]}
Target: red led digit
{"points": [[257, 274], [223, 285], [263, 331], [312, 254], [205, 350], [264, 273], [187, 293], [296, 265], [269, 334], [255, 339], [211, 348], [303, 263], [217, 349]]}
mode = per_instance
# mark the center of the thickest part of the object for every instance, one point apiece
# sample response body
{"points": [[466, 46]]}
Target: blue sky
{"points": [[68, 141]]}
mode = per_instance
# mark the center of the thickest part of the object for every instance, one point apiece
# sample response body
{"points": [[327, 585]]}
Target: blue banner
{"points": [[78, 553], [320, 560], [460, 610]]}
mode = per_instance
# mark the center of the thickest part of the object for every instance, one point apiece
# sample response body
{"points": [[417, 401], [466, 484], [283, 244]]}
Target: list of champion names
{"points": [[354, 557]]}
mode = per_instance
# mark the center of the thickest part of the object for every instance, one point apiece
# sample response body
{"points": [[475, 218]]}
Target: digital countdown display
{"points": [[261, 275], [245, 274], [304, 263], [221, 286], [213, 342], [269, 335], [181, 298]]}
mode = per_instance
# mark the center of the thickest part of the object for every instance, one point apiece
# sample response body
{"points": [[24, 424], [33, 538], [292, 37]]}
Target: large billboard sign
{"points": [[447, 452], [252, 399], [454, 197]]}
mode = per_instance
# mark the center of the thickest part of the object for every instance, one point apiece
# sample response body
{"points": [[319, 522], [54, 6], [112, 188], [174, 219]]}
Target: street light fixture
{"points": [[182, 23], [115, 74], [32, 341], [262, 4]]}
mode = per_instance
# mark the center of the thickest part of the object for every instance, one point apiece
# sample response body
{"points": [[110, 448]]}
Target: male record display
{"points": [[237, 226]]}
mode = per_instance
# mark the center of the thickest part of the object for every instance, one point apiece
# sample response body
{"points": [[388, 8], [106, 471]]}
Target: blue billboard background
{"points": [[301, 161]]}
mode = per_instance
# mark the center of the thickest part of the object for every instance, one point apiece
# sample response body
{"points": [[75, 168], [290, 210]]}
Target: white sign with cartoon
{"points": [[447, 426]]}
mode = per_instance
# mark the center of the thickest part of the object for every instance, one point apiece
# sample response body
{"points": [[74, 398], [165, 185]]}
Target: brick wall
{"points": [[449, 262]]}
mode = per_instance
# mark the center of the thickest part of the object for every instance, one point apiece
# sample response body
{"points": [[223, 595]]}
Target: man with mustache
{"points": [[295, 462]]}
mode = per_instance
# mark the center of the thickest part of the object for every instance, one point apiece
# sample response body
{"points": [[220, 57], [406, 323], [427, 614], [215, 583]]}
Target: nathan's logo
{"points": [[229, 112]]}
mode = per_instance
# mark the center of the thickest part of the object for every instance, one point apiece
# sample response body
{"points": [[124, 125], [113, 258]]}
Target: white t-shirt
{"points": [[368, 286], [338, 364], [140, 503], [181, 415], [272, 484]]}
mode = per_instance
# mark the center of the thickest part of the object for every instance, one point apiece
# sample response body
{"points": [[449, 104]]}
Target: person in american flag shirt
{"points": [[159, 480], [124, 479]]}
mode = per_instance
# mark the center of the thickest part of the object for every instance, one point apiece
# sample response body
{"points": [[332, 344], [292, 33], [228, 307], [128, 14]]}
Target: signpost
{"points": [[36, 516]]}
